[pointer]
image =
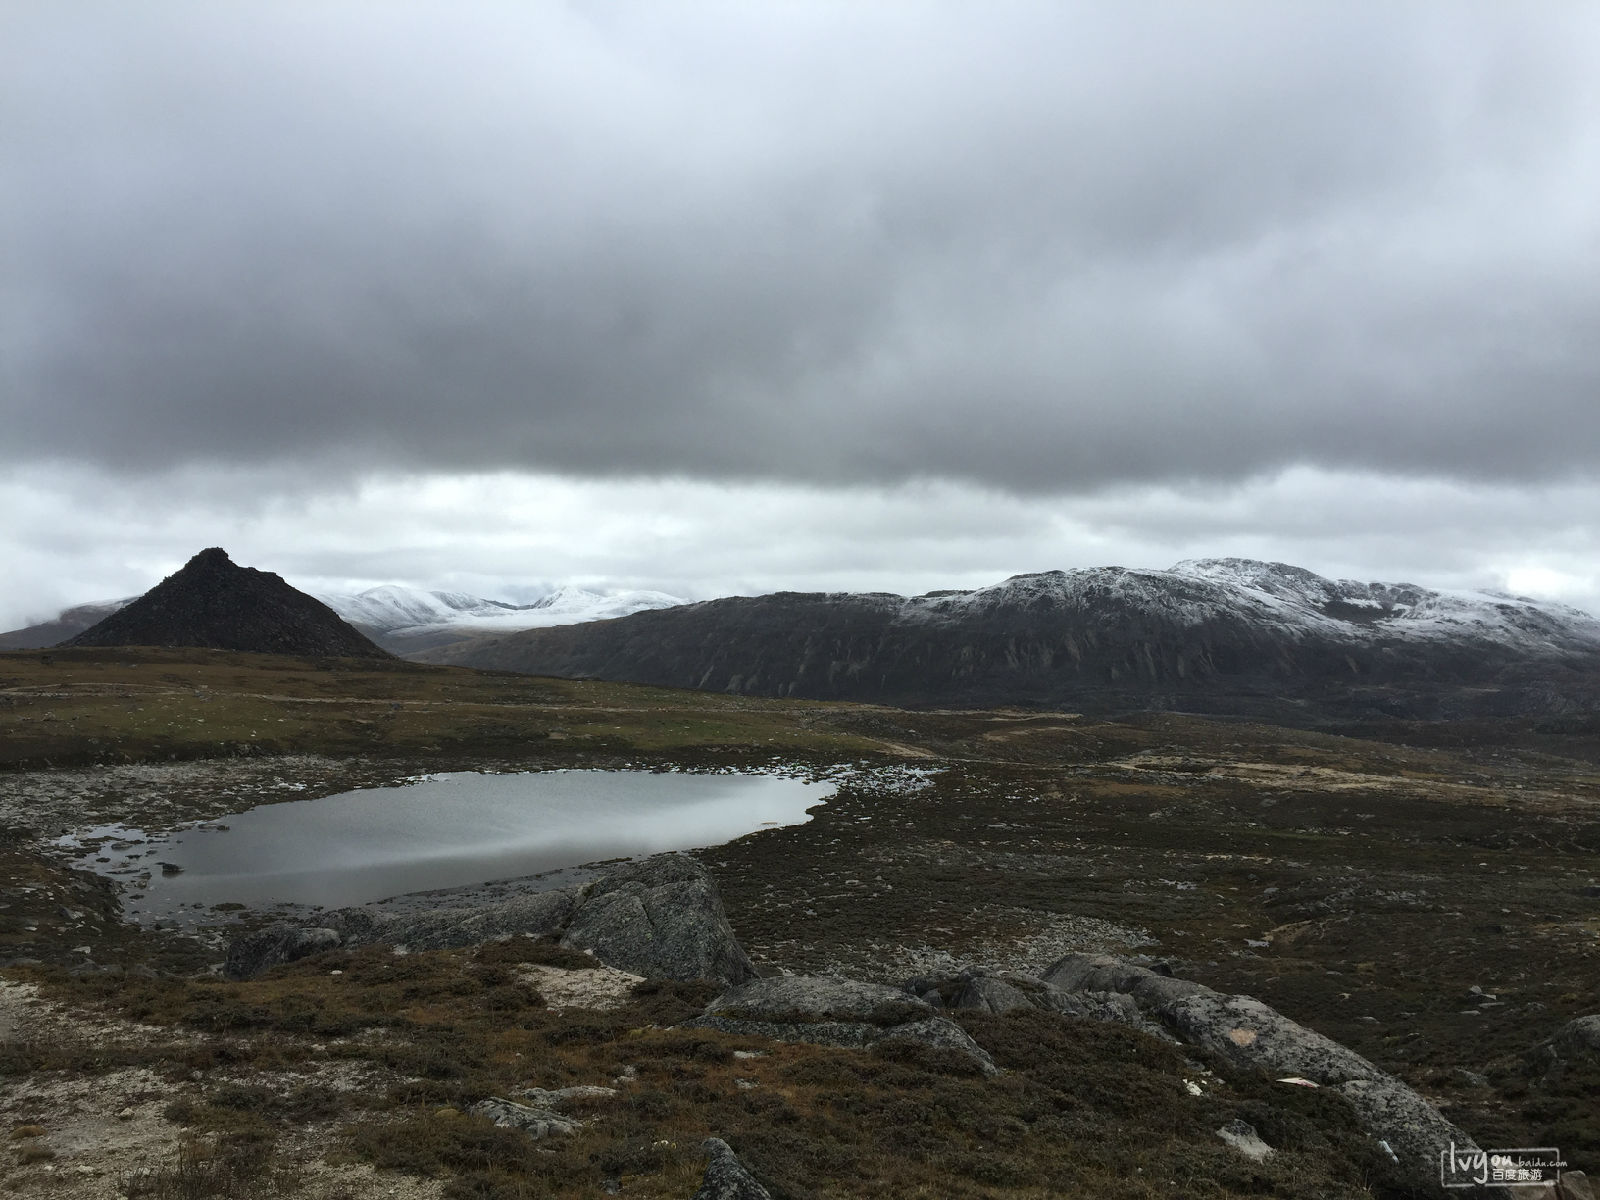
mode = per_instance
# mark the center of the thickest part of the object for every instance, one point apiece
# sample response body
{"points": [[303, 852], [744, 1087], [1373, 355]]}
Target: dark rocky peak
{"points": [[215, 604]]}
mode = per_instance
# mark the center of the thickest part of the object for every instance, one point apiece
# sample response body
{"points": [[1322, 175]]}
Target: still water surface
{"points": [[443, 831]]}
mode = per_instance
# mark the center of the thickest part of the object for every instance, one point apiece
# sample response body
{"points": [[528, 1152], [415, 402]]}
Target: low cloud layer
{"points": [[1038, 249], [507, 535]]}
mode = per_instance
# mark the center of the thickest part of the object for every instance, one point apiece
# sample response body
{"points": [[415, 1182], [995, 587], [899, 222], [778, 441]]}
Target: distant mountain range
{"points": [[1209, 635], [403, 620], [1223, 636]]}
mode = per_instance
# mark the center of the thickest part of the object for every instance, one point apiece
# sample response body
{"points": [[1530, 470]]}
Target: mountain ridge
{"points": [[1210, 635]]}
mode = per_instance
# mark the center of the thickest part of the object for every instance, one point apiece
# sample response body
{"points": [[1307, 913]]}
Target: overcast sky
{"points": [[731, 297]]}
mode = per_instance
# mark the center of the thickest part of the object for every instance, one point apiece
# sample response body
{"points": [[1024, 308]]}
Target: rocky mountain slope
{"points": [[68, 623], [1213, 635], [215, 604]]}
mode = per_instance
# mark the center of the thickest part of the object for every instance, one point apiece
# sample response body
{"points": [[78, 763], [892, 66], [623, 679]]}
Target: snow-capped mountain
{"points": [[1212, 634], [1291, 600], [406, 620]]}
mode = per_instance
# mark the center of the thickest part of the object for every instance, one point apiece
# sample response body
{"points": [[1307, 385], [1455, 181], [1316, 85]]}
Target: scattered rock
{"points": [[1575, 1185], [835, 1012], [726, 1178], [1244, 1138], [1253, 1036]]}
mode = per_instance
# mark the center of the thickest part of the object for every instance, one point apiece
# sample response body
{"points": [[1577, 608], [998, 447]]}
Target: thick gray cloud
{"points": [[1039, 247]]}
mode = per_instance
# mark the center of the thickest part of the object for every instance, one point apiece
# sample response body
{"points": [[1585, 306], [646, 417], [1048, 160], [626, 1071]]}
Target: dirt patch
{"points": [[600, 989]]}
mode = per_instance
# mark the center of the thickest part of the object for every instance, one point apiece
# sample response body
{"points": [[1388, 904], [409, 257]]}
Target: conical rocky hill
{"points": [[213, 603]]}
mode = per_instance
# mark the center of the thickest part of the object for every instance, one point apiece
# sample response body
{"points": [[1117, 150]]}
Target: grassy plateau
{"points": [[1429, 895]]}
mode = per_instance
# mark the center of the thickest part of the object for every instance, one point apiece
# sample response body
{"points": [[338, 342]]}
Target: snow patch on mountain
{"points": [[405, 611]]}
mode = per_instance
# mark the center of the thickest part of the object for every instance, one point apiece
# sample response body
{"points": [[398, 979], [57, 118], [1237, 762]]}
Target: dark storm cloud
{"points": [[1043, 247]]}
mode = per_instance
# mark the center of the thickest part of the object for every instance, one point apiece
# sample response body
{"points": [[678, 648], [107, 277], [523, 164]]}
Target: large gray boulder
{"points": [[252, 953], [661, 917], [1575, 1044], [534, 914], [726, 1177], [1005, 991], [835, 1012], [1254, 1036]]}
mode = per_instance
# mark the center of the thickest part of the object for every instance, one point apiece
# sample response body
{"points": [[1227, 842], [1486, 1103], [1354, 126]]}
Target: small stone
{"points": [[125, 1114], [1244, 1138]]}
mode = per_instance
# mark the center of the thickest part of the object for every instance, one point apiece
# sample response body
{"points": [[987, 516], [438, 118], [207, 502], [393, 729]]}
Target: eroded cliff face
{"points": [[1216, 636]]}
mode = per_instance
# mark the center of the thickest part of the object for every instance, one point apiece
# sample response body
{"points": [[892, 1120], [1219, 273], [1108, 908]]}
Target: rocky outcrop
{"points": [[536, 1121], [253, 953], [1253, 1036], [539, 1118], [726, 1177], [836, 1012], [659, 917]]}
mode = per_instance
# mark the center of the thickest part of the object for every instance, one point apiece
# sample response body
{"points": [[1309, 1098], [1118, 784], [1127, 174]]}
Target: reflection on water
{"points": [[444, 831]]}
